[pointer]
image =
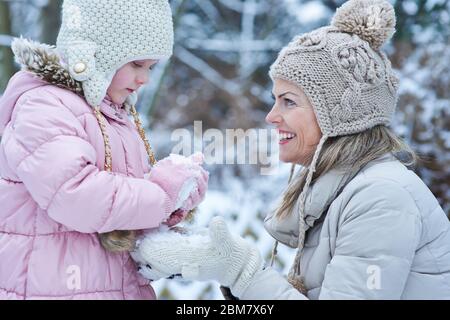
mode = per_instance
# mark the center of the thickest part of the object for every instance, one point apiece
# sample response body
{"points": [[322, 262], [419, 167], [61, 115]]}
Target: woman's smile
{"points": [[285, 137]]}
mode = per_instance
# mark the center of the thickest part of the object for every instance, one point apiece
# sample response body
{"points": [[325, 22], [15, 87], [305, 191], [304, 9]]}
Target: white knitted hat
{"points": [[97, 37]]}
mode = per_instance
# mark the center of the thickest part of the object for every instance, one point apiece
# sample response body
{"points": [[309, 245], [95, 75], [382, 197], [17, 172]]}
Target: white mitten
{"points": [[212, 255]]}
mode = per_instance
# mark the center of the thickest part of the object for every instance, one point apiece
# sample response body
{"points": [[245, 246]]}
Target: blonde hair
{"points": [[120, 240], [349, 152]]}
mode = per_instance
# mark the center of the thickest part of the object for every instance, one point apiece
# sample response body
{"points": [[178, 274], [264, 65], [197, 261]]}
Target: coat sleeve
{"points": [[49, 150], [378, 234], [269, 284]]}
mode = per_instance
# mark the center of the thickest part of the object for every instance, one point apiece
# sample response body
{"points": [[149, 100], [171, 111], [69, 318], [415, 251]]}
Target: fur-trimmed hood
{"points": [[45, 62], [42, 65]]}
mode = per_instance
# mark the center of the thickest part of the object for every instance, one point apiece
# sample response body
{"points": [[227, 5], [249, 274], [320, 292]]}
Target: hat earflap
{"points": [[80, 60]]}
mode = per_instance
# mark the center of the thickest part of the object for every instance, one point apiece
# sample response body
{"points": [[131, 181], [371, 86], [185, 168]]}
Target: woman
{"points": [[366, 227]]}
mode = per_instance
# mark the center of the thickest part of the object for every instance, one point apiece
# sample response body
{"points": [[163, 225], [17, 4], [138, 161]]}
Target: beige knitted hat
{"points": [[342, 70], [97, 37], [345, 75]]}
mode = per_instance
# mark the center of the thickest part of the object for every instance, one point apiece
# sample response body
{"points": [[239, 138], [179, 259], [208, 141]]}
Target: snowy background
{"points": [[218, 75]]}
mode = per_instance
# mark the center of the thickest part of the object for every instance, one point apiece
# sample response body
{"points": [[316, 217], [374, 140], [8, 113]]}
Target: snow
{"points": [[307, 13], [222, 54], [410, 7]]}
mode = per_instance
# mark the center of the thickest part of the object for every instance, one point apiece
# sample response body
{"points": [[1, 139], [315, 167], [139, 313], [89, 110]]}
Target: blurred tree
{"points": [[421, 54], [50, 20], [6, 57], [221, 49]]}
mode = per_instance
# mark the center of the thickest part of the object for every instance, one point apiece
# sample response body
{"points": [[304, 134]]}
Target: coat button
{"points": [[79, 67]]}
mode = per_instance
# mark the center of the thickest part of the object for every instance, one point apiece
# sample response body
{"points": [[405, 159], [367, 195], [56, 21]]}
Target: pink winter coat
{"points": [[55, 196]]}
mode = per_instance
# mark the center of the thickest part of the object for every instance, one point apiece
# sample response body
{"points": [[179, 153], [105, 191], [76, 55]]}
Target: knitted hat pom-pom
{"points": [[371, 20]]}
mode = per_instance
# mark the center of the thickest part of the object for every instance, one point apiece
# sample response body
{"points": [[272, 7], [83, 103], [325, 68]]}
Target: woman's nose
{"points": [[273, 117]]}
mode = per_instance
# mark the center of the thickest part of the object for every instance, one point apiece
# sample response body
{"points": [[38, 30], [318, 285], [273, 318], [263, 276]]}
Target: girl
{"points": [[366, 227], [73, 165]]}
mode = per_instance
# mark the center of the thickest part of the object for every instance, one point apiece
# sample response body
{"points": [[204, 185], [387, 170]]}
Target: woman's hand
{"points": [[215, 255]]}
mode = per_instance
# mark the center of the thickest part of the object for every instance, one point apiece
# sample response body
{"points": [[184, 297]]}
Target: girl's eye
{"points": [[138, 65], [289, 102]]}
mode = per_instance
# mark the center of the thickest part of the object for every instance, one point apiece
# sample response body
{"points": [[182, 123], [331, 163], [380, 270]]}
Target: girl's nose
{"points": [[142, 79]]}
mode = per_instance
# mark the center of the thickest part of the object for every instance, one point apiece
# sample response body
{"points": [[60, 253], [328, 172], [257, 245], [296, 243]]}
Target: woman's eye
{"points": [[289, 102], [136, 64]]}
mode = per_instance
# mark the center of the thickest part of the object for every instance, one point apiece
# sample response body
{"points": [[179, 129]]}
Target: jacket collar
{"points": [[318, 198], [114, 111]]}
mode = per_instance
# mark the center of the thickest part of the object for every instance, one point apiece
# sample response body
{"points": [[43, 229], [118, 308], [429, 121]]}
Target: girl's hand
{"points": [[198, 191], [183, 179], [175, 218]]}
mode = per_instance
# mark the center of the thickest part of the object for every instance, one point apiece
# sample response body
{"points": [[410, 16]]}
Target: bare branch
{"points": [[232, 46], [5, 40], [207, 71], [239, 6], [209, 9]]}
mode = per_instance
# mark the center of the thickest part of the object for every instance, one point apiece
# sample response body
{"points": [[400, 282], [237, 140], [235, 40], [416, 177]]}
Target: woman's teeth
{"points": [[286, 136]]}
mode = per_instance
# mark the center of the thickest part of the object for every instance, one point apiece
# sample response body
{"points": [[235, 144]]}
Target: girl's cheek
{"points": [[120, 80], [122, 77]]}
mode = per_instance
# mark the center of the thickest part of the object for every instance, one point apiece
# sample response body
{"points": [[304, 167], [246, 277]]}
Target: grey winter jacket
{"points": [[384, 236]]}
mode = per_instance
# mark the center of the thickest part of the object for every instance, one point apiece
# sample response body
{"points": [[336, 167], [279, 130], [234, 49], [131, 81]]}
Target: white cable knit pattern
{"points": [[100, 36]]}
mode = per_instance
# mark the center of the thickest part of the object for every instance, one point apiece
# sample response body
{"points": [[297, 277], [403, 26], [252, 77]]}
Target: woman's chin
{"points": [[285, 158]]}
